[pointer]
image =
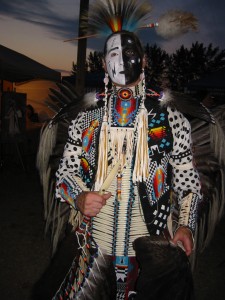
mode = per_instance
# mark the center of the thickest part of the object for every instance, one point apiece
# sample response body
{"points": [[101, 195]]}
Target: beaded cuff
{"points": [[68, 193]]}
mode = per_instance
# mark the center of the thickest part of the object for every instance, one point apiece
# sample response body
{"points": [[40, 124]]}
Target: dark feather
{"points": [[61, 97], [68, 112], [208, 143], [99, 283], [187, 105], [53, 106], [165, 270], [69, 90]]}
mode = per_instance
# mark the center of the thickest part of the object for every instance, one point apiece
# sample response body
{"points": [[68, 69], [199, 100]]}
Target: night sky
{"points": [[38, 28]]}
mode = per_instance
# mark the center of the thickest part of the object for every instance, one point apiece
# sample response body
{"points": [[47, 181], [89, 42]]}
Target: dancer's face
{"points": [[123, 59]]}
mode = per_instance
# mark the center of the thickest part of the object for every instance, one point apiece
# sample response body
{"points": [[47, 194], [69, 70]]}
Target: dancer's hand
{"points": [[90, 203], [184, 236]]}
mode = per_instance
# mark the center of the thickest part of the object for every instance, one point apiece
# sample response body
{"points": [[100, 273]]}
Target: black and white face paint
{"points": [[123, 59]]}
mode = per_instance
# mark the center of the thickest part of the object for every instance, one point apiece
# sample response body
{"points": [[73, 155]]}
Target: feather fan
{"points": [[165, 270]]}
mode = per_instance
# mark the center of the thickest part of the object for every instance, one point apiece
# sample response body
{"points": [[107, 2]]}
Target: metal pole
{"points": [[81, 51]]}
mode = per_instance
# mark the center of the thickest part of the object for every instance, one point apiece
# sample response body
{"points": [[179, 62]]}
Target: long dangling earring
{"points": [[106, 82], [142, 77]]}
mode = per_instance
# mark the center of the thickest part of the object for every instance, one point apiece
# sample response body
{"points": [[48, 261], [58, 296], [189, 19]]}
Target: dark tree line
{"points": [[93, 63], [191, 64], [171, 70]]}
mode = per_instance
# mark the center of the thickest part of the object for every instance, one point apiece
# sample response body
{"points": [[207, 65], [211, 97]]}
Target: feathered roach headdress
{"points": [[113, 16], [110, 16]]}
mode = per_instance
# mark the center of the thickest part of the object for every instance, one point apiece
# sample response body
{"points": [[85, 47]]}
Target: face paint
{"points": [[123, 59], [114, 60]]}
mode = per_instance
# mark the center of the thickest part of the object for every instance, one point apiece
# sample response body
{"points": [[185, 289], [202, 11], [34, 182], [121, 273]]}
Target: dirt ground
{"points": [[25, 252]]}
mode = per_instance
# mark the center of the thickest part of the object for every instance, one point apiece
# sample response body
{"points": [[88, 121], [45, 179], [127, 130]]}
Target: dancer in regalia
{"points": [[121, 161], [125, 158]]}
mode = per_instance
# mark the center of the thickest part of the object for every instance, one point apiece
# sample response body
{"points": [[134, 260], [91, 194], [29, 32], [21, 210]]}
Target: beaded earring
{"points": [[106, 82], [142, 77]]}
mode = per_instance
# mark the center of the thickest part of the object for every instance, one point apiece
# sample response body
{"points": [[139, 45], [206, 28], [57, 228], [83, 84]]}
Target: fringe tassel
{"points": [[120, 139], [75, 218], [57, 219], [102, 154], [141, 171], [45, 149]]}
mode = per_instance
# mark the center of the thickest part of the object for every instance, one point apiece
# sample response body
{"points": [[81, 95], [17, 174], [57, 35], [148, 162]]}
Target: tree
{"points": [[191, 64], [179, 68], [173, 71], [94, 62], [156, 65], [74, 68]]}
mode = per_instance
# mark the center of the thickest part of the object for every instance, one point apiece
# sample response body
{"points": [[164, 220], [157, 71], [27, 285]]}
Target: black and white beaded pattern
{"points": [[186, 180], [161, 221], [69, 164], [193, 216]]}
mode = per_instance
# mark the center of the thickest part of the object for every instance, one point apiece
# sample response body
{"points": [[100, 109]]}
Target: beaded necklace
{"points": [[123, 133]]}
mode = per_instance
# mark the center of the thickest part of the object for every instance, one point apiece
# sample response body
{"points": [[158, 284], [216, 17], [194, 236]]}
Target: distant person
{"points": [[30, 114], [32, 121], [14, 116], [43, 116]]}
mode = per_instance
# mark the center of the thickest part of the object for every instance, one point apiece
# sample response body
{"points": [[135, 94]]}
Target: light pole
{"points": [[81, 51]]}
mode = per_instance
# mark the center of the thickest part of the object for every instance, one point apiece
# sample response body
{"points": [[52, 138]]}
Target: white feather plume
{"points": [[89, 100], [175, 23]]}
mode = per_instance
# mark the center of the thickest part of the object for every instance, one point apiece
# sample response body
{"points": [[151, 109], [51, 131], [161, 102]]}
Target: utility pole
{"points": [[81, 51]]}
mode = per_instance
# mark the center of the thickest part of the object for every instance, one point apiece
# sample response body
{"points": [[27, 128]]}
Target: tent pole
{"points": [[81, 51]]}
